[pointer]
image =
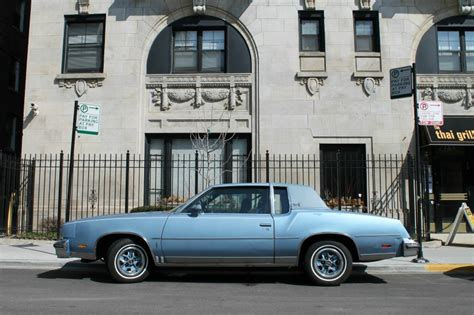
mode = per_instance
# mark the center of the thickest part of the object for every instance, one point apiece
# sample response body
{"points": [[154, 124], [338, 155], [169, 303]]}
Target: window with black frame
{"points": [[199, 51], [455, 50], [366, 31], [84, 44], [311, 31]]}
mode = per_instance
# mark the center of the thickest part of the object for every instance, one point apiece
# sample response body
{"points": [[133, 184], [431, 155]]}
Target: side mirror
{"points": [[194, 210]]}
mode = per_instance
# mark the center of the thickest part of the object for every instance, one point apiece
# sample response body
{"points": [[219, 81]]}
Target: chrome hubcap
{"points": [[131, 261], [328, 262]]}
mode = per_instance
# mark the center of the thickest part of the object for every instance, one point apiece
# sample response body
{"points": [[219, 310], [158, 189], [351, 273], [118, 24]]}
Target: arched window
{"points": [[447, 47], [199, 44]]}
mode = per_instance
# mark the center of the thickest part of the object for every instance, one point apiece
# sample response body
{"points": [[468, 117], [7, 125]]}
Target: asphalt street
{"points": [[89, 290]]}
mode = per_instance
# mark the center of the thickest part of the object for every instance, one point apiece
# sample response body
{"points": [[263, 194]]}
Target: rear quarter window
{"points": [[281, 200]]}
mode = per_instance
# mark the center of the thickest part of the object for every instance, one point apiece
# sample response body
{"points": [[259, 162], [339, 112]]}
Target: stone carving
{"points": [[80, 86], [466, 7], [199, 6], [159, 97], [83, 6], [215, 95], [369, 85], [450, 89], [452, 96], [310, 4], [235, 99], [225, 90], [180, 95], [427, 95], [312, 84], [364, 4]]}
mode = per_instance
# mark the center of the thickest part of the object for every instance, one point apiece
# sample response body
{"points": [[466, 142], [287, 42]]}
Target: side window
{"points": [[281, 200], [245, 200], [84, 44], [366, 31], [311, 31]]}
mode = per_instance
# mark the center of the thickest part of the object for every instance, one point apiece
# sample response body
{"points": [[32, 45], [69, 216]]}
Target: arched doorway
{"points": [[201, 107], [445, 67]]}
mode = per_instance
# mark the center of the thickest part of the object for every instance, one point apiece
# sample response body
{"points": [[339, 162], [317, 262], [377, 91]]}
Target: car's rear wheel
{"points": [[328, 263], [127, 261]]}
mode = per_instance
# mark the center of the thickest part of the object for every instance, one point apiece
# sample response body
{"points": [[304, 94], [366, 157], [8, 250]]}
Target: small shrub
{"points": [[50, 225]]}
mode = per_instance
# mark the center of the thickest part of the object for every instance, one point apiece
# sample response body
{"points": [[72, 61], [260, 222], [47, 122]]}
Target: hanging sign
{"points": [[88, 120], [430, 113], [401, 82]]}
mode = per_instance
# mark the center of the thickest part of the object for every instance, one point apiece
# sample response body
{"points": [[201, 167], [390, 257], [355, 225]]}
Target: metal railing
{"points": [[34, 198]]}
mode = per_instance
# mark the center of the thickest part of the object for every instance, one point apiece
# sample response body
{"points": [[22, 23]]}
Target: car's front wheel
{"points": [[328, 263], [127, 261]]}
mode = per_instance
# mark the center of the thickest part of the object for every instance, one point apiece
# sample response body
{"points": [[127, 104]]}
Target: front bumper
{"points": [[410, 247], [62, 249]]}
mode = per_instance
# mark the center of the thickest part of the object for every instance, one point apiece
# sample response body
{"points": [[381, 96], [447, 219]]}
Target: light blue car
{"points": [[239, 225]]}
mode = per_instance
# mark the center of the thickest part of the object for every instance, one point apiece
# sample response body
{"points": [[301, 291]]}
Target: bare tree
{"points": [[210, 138]]}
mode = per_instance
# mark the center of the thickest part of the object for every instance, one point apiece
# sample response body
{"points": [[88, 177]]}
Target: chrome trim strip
{"points": [[218, 260]]}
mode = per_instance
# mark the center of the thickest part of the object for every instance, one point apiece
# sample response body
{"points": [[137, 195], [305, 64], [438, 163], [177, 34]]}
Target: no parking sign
{"points": [[430, 113]]}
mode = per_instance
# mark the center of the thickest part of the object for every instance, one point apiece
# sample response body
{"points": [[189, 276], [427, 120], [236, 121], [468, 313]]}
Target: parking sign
{"points": [[88, 120]]}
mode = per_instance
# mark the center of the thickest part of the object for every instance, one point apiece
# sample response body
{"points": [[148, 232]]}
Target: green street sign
{"points": [[88, 120]]}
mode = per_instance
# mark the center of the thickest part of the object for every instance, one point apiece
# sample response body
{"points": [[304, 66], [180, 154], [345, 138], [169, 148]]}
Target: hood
{"points": [[148, 214]]}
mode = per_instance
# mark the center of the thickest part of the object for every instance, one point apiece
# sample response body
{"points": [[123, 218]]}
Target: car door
{"points": [[226, 225]]}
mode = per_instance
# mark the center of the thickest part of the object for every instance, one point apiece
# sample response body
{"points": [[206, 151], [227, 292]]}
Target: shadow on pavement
{"points": [[97, 272], [466, 273]]}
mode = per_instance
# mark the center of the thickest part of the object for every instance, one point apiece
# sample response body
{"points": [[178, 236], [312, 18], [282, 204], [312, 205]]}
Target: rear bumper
{"points": [[410, 247], [62, 249]]}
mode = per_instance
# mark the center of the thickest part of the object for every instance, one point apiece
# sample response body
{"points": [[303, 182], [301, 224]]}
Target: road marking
{"points": [[450, 267]]}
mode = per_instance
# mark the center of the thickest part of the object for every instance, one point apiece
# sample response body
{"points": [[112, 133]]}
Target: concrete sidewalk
{"points": [[35, 254]]}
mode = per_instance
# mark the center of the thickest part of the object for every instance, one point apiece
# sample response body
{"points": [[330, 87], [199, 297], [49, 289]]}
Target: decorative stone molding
{"points": [[80, 82], [369, 81], [368, 84], [450, 89], [83, 6], [310, 4], [364, 4], [199, 7], [312, 80], [197, 90], [466, 7]]}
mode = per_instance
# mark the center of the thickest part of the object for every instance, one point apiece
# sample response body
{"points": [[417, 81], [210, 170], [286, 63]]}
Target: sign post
{"points": [[87, 123], [403, 84], [71, 162]]}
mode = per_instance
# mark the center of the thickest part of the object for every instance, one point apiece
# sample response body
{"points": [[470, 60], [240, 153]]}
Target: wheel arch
{"points": [[341, 238], [105, 241]]}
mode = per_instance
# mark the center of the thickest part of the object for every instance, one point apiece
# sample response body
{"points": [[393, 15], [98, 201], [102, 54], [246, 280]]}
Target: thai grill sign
{"points": [[457, 130]]}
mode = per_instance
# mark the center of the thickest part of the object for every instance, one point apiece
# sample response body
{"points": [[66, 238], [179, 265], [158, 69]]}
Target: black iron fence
{"points": [[34, 197]]}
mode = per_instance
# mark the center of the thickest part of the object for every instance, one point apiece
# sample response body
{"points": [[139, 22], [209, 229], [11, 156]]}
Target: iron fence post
{"points": [[127, 179], [196, 171], [31, 192], [411, 194], [267, 166], [338, 179], [60, 191]]}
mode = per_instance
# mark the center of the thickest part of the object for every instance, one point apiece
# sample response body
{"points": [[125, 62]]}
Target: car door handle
{"points": [[265, 225]]}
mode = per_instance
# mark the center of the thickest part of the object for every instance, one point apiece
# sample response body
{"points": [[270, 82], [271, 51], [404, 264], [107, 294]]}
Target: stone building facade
{"points": [[288, 76]]}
